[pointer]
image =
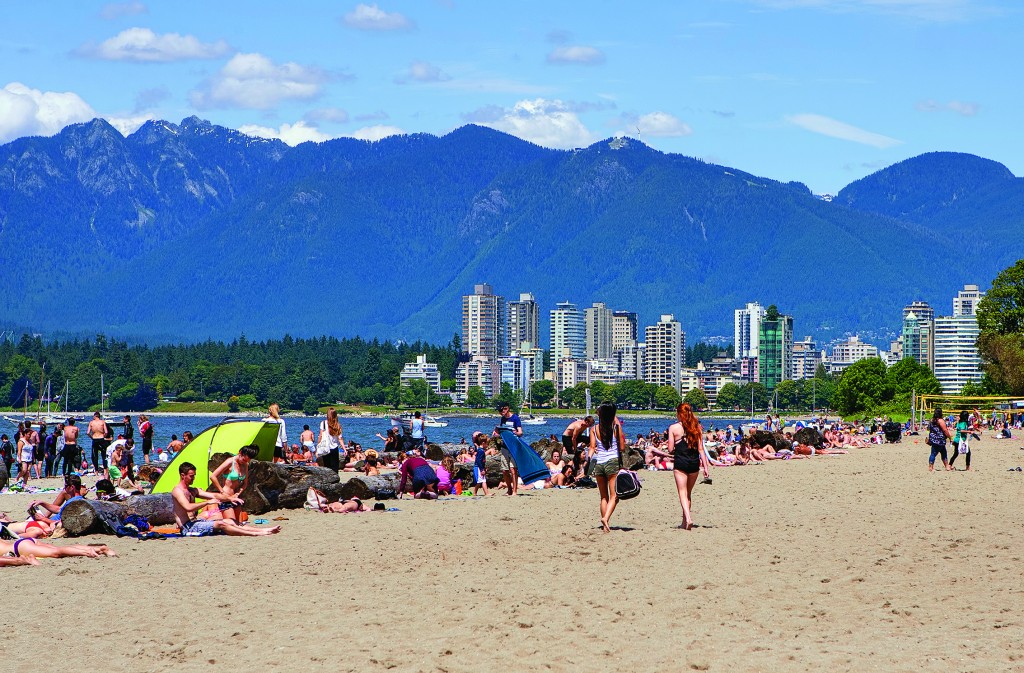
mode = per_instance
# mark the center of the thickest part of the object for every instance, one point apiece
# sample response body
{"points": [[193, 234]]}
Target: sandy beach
{"points": [[849, 563]]}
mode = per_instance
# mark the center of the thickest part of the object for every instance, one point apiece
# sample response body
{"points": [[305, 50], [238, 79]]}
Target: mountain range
{"points": [[183, 232]]}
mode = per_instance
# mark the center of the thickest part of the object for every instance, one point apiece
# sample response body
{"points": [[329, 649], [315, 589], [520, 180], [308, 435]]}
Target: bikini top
{"points": [[234, 475]]}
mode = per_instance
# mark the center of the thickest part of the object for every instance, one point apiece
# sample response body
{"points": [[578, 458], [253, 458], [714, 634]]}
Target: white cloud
{"points": [[656, 124], [129, 125], [960, 107], [929, 10], [115, 10], [254, 81], [577, 54], [376, 132], [421, 71], [550, 123], [30, 112], [833, 128], [372, 17], [145, 46], [290, 134]]}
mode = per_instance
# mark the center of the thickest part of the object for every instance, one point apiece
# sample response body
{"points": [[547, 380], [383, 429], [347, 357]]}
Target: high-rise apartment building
{"points": [[481, 371], [966, 301], [747, 330], [921, 309], [523, 322], [806, 358], [421, 369], [598, 323], [847, 352], [664, 352], [630, 359], [919, 338], [568, 333], [484, 323], [775, 348], [956, 359], [624, 329]]}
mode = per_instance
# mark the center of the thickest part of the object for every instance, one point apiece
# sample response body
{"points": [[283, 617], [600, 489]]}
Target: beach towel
{"points": [[531, 466]]}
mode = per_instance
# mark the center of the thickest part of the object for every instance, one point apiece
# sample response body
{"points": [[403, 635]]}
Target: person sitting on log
{"points": [[234, 471], [556, 466], [186, 508], [424, 479]]}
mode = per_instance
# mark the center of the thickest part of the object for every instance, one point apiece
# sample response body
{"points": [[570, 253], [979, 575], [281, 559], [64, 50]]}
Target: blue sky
{"points": [[820, 91]]}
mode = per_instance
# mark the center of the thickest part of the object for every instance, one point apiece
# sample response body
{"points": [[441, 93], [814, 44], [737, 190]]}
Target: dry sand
{"points": [[851, 563]]}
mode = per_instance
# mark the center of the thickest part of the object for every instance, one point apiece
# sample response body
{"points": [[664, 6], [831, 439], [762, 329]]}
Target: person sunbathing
{"points": [[350, 506], [27, 547], [556, 466], [30, 528]]}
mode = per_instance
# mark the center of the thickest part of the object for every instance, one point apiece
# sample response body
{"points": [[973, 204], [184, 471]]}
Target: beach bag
{"points": [[315, 500], [936, 437], [963, 447], [323, 447], [627, 484]]}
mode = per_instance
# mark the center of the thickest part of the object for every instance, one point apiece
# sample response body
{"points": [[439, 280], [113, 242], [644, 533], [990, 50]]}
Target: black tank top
{"points": [[683, 450]]}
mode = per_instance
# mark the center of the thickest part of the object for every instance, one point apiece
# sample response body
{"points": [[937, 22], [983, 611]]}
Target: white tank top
{"points": [[604, 454]]}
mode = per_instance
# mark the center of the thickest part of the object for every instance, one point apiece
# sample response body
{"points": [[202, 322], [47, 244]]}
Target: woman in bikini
{"points": [[556, 466], [235, 471], [28, 548]]}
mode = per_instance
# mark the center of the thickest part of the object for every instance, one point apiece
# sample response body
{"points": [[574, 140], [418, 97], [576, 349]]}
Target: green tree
{"points": [[601, 392], [666, 397], [475, 397], [729, 396], [788, 394], [697, 399], [634, 395], [862, 386], [248, 401], [414, 393], [1001, 326], [311, 406], [542, 392], [233, 404]]}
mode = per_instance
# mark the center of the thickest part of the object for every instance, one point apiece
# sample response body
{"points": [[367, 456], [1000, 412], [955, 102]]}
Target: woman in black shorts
{"points": [[686, 438]]}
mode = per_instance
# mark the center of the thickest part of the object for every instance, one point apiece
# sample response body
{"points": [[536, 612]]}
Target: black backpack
{"points": [[627, 484]]}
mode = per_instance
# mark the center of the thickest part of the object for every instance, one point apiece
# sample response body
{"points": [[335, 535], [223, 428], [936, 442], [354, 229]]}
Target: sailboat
{"points": [[119, 423], [529, 418], [428, 420]]}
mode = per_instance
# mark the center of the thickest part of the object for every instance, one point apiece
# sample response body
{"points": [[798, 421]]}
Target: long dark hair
{"points": [[606, 423]]}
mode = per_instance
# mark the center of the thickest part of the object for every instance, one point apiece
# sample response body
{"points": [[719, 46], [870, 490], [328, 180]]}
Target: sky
{"points": [[819, 91]]}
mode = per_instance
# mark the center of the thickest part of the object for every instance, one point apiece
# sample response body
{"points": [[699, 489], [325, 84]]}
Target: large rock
{"points": [[809, 437]]}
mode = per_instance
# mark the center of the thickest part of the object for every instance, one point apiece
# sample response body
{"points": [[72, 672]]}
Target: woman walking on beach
{"points": [[686, 438], [960, 444], [331, 430], [604, 452], [280, 446], [938, 433]]}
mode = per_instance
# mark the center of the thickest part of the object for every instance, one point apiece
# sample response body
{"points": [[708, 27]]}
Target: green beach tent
{"points": [[228, 436]]}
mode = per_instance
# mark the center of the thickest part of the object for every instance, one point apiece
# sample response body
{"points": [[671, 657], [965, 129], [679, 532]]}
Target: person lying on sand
{"points": [[27, 547]]}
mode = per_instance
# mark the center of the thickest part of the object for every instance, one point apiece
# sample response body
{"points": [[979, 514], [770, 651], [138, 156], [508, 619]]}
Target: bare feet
{"points": [[605, 527]]}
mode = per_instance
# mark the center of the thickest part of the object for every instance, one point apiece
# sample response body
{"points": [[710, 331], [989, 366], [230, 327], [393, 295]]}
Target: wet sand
{"points": [[849, 563]]}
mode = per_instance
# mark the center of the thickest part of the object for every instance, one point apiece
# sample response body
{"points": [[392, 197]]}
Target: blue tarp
{"points": [[531, 466]]}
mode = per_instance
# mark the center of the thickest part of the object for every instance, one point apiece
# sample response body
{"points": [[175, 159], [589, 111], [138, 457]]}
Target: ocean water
{"points": [[364, 430]]}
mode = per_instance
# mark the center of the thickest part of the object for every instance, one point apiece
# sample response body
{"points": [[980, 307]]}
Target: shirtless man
{"points": [[70, 452], [186, 507], [97, 430], [175, 446], [571, 437]]}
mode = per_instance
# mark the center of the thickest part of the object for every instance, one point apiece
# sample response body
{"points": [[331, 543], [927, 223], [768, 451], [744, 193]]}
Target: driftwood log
{"points": [[82, 517], [273, 486]]}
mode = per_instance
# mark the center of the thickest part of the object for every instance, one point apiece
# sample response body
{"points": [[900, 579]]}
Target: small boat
{"points": [[428, 421], [530, 419]]}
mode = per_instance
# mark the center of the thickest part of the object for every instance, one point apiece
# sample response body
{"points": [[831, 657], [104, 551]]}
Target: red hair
{"points": [[691, 426]]}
